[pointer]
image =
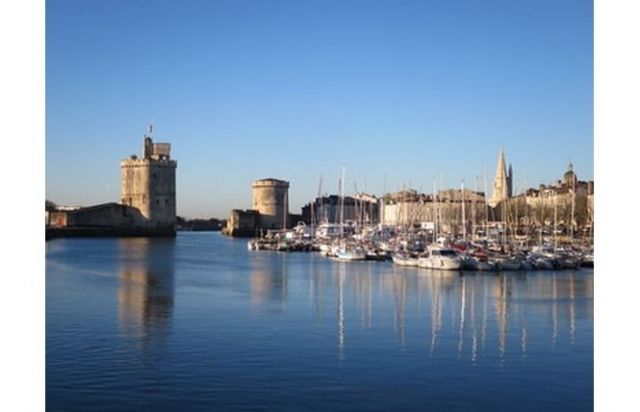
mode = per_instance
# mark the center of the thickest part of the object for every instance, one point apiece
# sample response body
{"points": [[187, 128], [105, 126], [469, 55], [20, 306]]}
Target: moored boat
{"points": [[350, 254], [404, 259], [509, 263], [442, 258]]}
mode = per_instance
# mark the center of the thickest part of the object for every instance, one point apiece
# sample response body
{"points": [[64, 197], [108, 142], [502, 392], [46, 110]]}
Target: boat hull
{"points": [[440, 263]]}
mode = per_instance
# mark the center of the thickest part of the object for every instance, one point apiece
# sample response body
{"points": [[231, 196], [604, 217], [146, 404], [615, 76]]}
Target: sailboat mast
{"points": [[464, 223], [435, 212], [573, 204], [590, 208], [439, 208], [474, 211], [318, 216], [486, 204], [527, 210], [555, 221], [342, 202], [542, 196], [514, 228], [286, 211]]}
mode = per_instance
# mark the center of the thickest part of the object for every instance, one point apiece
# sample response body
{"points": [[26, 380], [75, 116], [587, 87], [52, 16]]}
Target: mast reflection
{"points": [[341, 273], [478, 317]]}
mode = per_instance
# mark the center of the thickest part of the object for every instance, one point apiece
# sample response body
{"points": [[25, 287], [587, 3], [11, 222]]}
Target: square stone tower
{"points": [[149, 184]]}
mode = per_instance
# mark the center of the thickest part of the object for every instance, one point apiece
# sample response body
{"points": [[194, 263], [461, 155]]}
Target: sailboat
{"points": [[346, 251]]}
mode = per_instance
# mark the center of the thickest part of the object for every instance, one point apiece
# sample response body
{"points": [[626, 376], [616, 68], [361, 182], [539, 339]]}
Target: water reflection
{"points": [[471, 316], [268, 283], [341, 275], [145, 287]]}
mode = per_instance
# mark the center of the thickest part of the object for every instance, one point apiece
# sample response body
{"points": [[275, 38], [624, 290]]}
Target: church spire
{"points": [[500, 182]]}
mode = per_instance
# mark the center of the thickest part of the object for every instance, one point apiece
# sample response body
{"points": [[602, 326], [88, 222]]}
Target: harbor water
{"points": [[200, 323]]}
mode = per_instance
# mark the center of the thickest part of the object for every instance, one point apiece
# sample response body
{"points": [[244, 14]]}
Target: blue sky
{"points": [[397, 91]]}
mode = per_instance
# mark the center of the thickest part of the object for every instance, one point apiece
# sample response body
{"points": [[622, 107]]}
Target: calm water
{"points": [[199, 322]]}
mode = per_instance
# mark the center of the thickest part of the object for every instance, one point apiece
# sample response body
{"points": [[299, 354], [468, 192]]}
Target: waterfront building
{"points": [[147, 206]]}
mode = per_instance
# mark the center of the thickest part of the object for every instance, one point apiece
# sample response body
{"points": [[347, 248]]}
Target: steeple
{"points": [[570, 177], [500, 182]]}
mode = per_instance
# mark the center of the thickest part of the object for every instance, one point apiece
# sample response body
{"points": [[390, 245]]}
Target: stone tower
{"points": [[149, 185], [501, 183], [271, 199]]}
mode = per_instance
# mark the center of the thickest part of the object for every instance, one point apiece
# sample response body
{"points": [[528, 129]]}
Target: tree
{"points": [[50, 206]]}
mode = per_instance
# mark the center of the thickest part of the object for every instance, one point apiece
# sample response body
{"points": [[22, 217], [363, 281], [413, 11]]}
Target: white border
{"points": [[617, 120], [616, 129], [22, 299]]}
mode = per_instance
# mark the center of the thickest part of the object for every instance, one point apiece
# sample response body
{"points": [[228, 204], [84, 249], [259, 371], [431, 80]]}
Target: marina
{"points": [[416, 247], [550, 228]]}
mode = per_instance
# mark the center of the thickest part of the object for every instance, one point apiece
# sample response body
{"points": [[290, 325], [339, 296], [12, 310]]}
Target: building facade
{"points": [[445, 209], [361, 208]]}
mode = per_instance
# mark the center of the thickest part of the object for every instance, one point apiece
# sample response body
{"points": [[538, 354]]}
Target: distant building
{"points": [[564, 195], [408, 207], [362, 208]]}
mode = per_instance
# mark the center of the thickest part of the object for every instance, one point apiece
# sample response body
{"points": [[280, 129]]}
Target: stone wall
{"points": [[242, 223], [104, 215]]}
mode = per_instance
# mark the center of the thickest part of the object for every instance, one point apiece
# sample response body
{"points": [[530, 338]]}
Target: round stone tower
{"points": [[271, 199]]}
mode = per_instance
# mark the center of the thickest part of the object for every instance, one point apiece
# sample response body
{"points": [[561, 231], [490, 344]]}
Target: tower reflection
{"points": [[146, 289], [269, 282]]}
